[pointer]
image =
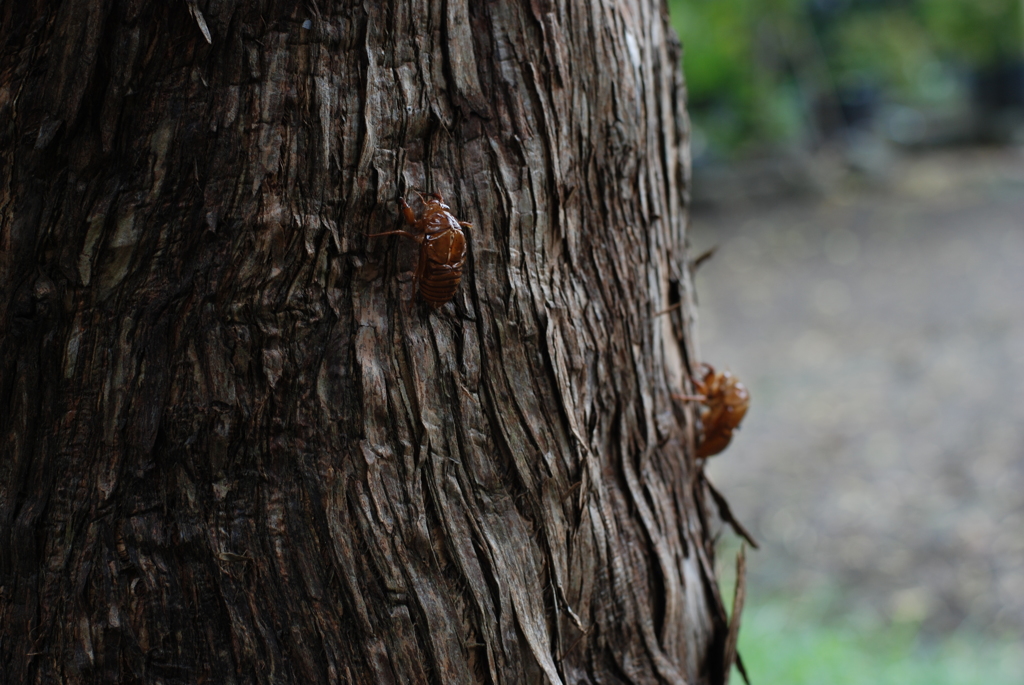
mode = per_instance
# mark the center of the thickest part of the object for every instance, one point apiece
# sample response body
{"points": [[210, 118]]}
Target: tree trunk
{"points": [[237, 447]]}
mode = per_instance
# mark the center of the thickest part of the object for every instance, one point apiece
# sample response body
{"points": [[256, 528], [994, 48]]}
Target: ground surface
{"points": [[882, 334]]}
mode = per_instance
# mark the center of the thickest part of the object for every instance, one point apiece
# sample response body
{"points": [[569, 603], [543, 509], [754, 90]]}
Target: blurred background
{"points": [[859, 165]]}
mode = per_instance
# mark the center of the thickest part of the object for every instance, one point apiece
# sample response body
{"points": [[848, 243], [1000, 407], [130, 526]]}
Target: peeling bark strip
{"points": [[234, 448]]}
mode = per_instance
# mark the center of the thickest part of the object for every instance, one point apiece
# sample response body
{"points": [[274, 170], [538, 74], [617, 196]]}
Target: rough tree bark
{"points": [[236, 448]]}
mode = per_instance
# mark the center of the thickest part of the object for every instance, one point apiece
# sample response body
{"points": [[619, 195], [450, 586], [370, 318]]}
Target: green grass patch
{"points": [[791, 643]]}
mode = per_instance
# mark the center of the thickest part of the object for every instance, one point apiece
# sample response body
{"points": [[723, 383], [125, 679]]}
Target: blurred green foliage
{"points": [[979, 32], [759, 70], [821, 637], [885, 46], [725, 81], [795, 642]]}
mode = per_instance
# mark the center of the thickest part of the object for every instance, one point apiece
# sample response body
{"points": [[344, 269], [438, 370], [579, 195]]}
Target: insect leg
{"points": [[421, 196], [414, 236], [702, 385], [410, 216]]}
